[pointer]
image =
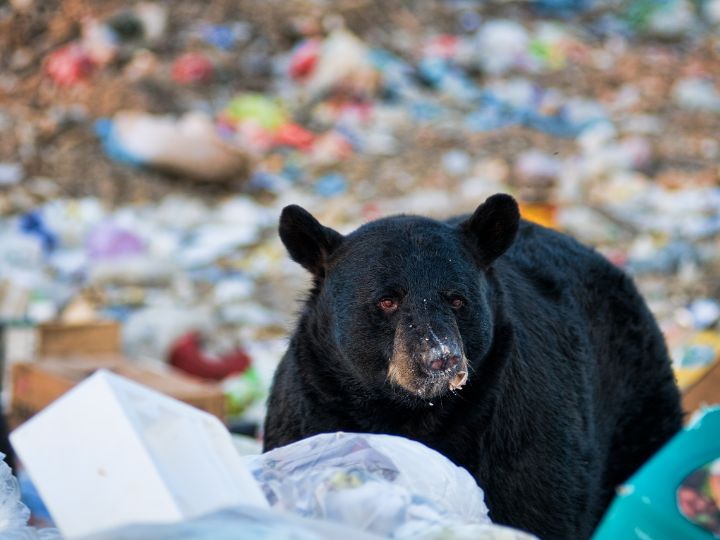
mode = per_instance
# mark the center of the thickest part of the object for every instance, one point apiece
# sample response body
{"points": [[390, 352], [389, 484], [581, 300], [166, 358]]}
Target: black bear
{"points": [[510, 348]]}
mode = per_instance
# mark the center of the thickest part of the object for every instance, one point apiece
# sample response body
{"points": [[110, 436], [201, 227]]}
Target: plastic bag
{"points": [[14, 514], [382, 484], [242, 523]]}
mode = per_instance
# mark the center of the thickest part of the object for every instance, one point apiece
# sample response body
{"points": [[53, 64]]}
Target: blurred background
{"points": [[146, 149]]}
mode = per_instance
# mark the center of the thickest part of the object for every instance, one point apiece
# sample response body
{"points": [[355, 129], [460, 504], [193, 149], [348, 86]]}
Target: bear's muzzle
{"points": [[426, 365]]}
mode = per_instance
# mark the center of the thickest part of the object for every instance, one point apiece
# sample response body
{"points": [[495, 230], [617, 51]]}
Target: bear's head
{"points": [[404, 304]]}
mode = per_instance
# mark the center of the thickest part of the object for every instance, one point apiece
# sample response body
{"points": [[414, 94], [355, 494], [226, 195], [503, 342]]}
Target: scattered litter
{"points": [[14, 515], [456, 162], [226, 36], [69, 65], [343, 66], [331, 185], [192, 68], [187, 355], [189, 145], [11, 173], [699, 94]]}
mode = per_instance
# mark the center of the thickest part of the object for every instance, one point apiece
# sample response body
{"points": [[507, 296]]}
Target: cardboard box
{"points": [[705, 391], [37, 384], [87, 339]]}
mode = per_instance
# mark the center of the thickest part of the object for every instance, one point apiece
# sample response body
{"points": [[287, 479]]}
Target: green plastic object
{"points": [[646, 507], [266, 112]]}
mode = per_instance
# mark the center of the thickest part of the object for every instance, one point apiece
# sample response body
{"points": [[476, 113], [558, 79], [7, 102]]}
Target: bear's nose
{"points": [[444, 362]]}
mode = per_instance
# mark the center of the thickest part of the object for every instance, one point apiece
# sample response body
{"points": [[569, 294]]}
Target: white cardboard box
{"points": [[112, 452]]}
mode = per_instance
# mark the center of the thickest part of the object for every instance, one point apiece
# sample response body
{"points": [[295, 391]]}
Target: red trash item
{"points": [[69, 65], [295, 136], [192, 68], [186, 354], [304, 58], [443, 46]]}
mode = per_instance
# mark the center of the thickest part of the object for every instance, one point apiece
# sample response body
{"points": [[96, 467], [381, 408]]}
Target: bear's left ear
{"points": [[492, 227], [308, 242]]}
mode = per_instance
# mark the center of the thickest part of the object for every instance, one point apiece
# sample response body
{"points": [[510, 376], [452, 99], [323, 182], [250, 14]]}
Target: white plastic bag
{"points": [[382, 484], [14, 514]]}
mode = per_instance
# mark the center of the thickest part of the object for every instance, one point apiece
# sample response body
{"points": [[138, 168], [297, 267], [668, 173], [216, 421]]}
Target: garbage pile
{"points": [[144, 184], [356, 486]]}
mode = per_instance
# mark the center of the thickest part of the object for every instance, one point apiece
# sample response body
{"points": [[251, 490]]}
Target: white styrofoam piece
{"points": [[111, 452]]}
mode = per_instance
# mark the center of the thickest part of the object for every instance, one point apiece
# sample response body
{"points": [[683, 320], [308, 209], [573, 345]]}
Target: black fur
{"points": [[570, 388]]}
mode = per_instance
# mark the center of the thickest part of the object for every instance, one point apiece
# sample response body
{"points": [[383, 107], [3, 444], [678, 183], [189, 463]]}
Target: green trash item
{"points": [[241, 391], [268, 113], [671, 496]]}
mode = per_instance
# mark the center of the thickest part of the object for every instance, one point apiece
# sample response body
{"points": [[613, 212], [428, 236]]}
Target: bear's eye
{"points": [[456, 302], [388, 305]]}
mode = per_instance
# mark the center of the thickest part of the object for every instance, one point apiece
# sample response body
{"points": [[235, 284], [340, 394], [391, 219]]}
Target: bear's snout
{"points": [[425, 364], [443, 361]]}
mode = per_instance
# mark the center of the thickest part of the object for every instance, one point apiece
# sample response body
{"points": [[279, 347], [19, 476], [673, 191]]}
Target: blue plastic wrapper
{"points": [[331, 185]]}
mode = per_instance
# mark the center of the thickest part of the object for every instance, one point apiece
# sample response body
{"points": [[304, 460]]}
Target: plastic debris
{"points": [[699, 497], [11, 173], [343, 65], [183, 458], [534, 166], [152, 331], [456, 162], [188, 146], [33, 223], [705, 312], [108, 241], [304, 58], [711, 10], [100, 41], [331, 185], [153, 19], [69, 65], [187, 354], [14, 514], [381, 484], [242, 390], [693, 357], [226, 36], [192, 68], [239, 523], [652, 502], [503, 45], [667, 19], [699, 94]]}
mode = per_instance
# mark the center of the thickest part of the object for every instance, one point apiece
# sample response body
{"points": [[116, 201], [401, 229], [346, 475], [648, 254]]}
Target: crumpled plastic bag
{"points": [[381, 484], [14, 514]]}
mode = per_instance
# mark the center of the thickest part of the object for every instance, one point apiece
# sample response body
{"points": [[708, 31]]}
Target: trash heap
{"points": [[151, 150]]}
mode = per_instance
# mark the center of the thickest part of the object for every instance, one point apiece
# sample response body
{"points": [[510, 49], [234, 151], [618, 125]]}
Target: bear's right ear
{"points": [[308, 242]]}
